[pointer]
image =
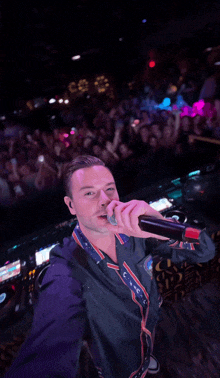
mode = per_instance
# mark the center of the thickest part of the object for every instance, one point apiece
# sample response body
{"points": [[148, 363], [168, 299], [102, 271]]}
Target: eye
{"points": [[89, 194], [110, 189]]}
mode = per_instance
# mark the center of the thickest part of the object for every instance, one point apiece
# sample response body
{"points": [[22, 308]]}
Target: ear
{"points": [[69, 203]]}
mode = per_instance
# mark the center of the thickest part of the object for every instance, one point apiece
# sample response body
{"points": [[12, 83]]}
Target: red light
{"points": [[152, 64]]}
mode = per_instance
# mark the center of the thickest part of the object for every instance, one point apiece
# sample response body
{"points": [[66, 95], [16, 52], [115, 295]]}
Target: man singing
{"points": [[99, 290]]}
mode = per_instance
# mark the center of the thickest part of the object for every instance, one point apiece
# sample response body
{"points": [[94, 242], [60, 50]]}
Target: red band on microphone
{"points": [[192, 233]]}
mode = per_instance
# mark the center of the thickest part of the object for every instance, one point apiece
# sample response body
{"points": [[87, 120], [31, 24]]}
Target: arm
{"points": [[39, 180], [193, 253], [15, 168], [176, 126], [110, 149], [127, 215], [53, 346], [117, 139], [11, 148]]}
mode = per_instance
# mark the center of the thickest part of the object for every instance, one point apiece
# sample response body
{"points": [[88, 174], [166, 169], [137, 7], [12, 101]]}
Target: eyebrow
{"points": [[92, 187]]}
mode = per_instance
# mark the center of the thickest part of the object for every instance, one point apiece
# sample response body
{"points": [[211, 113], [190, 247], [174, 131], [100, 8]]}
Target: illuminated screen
{"points": [[43, 255], [161, 204], [10, 270]]}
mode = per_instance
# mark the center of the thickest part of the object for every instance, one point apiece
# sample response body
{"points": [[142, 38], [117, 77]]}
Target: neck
{"points": [[104, 241]]}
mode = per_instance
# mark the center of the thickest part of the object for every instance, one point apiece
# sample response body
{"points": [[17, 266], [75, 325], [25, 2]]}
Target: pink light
{"points": [[186, 111], [72, 132], [65, 135], [200, 104], [198, 107]]}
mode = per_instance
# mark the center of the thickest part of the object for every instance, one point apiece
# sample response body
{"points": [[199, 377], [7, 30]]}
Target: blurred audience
{"points": [[139, 140]]}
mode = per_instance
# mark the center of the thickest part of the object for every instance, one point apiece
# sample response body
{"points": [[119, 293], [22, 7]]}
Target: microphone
{"points": [[177, 231]]}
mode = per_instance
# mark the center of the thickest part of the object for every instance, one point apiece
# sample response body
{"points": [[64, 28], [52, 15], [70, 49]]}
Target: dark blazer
{"points": [[82, 300]]}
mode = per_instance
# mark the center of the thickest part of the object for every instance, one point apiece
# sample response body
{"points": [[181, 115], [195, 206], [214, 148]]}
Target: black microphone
{"points": [[172, 230]]}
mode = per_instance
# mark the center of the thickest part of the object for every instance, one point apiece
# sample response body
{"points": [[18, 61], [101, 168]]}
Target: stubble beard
{"points": [[96, 229]]}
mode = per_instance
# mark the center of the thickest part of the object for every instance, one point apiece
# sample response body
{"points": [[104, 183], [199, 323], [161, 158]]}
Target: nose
{"points": [[103, 199]]}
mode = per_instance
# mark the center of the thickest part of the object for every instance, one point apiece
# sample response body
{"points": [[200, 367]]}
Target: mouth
{"points": [[102, 216]]}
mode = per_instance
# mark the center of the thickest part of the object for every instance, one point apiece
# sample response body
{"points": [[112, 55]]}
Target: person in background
{"points": [[47, 175]]}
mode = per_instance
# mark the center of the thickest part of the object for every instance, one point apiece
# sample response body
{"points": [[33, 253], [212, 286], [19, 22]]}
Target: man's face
{"points": [[92, 190]]}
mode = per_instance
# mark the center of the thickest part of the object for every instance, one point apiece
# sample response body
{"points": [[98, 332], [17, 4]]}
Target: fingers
{"points": [[110, 208], [127, 216]]}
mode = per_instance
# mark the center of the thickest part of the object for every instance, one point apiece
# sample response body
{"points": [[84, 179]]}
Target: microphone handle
{"points": [[172, 230]]}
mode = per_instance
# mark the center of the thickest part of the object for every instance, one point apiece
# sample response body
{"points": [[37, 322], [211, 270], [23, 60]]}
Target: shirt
{"points": [[115, 307]]}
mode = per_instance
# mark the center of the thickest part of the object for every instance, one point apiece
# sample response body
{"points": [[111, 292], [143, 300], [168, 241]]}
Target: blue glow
{"points": [[176, 181], [144, 20], [165, 105], [176, 194], [195, 173], [166, 101], [2, 297], [15, 246]]}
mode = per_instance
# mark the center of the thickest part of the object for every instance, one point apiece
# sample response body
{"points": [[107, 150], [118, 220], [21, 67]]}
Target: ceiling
{"points": [[41, 37]]}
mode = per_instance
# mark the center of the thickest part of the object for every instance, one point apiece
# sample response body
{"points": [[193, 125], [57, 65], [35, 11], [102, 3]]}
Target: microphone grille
{"points": [[112, 220]]}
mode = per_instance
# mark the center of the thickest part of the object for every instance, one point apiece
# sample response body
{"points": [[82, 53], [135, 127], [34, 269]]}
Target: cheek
{"points": [[84, 207]]}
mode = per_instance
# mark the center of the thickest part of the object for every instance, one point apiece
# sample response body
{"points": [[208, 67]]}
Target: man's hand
{"points": [[127, 214]]}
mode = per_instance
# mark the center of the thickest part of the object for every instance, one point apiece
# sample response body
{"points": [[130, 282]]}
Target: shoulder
{"points": [[61, 273], [67, 259], [139, 245], [64, 250], [145, 245]]}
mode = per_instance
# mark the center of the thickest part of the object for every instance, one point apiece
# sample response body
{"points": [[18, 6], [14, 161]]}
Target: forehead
{"points": [[96, 176]]}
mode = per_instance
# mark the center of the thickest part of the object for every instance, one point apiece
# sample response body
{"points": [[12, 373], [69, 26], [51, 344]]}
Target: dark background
{"points": [[39, 39]]}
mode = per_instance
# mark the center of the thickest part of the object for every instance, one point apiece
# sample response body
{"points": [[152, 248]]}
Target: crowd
{"points": [[140, 141], [138, 135]]}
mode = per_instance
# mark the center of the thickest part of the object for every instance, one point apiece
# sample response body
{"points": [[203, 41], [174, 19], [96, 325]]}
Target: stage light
{"points": [[171, 89], [83, 85], [194, 173], [52, 100], [121, 39], [166, 102], [144, 21], [101, 83], [217, 63], [200, 104], [60, 101], [76, 57], [72, 87], [152, 64], [65, 135], [66, 101]]}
